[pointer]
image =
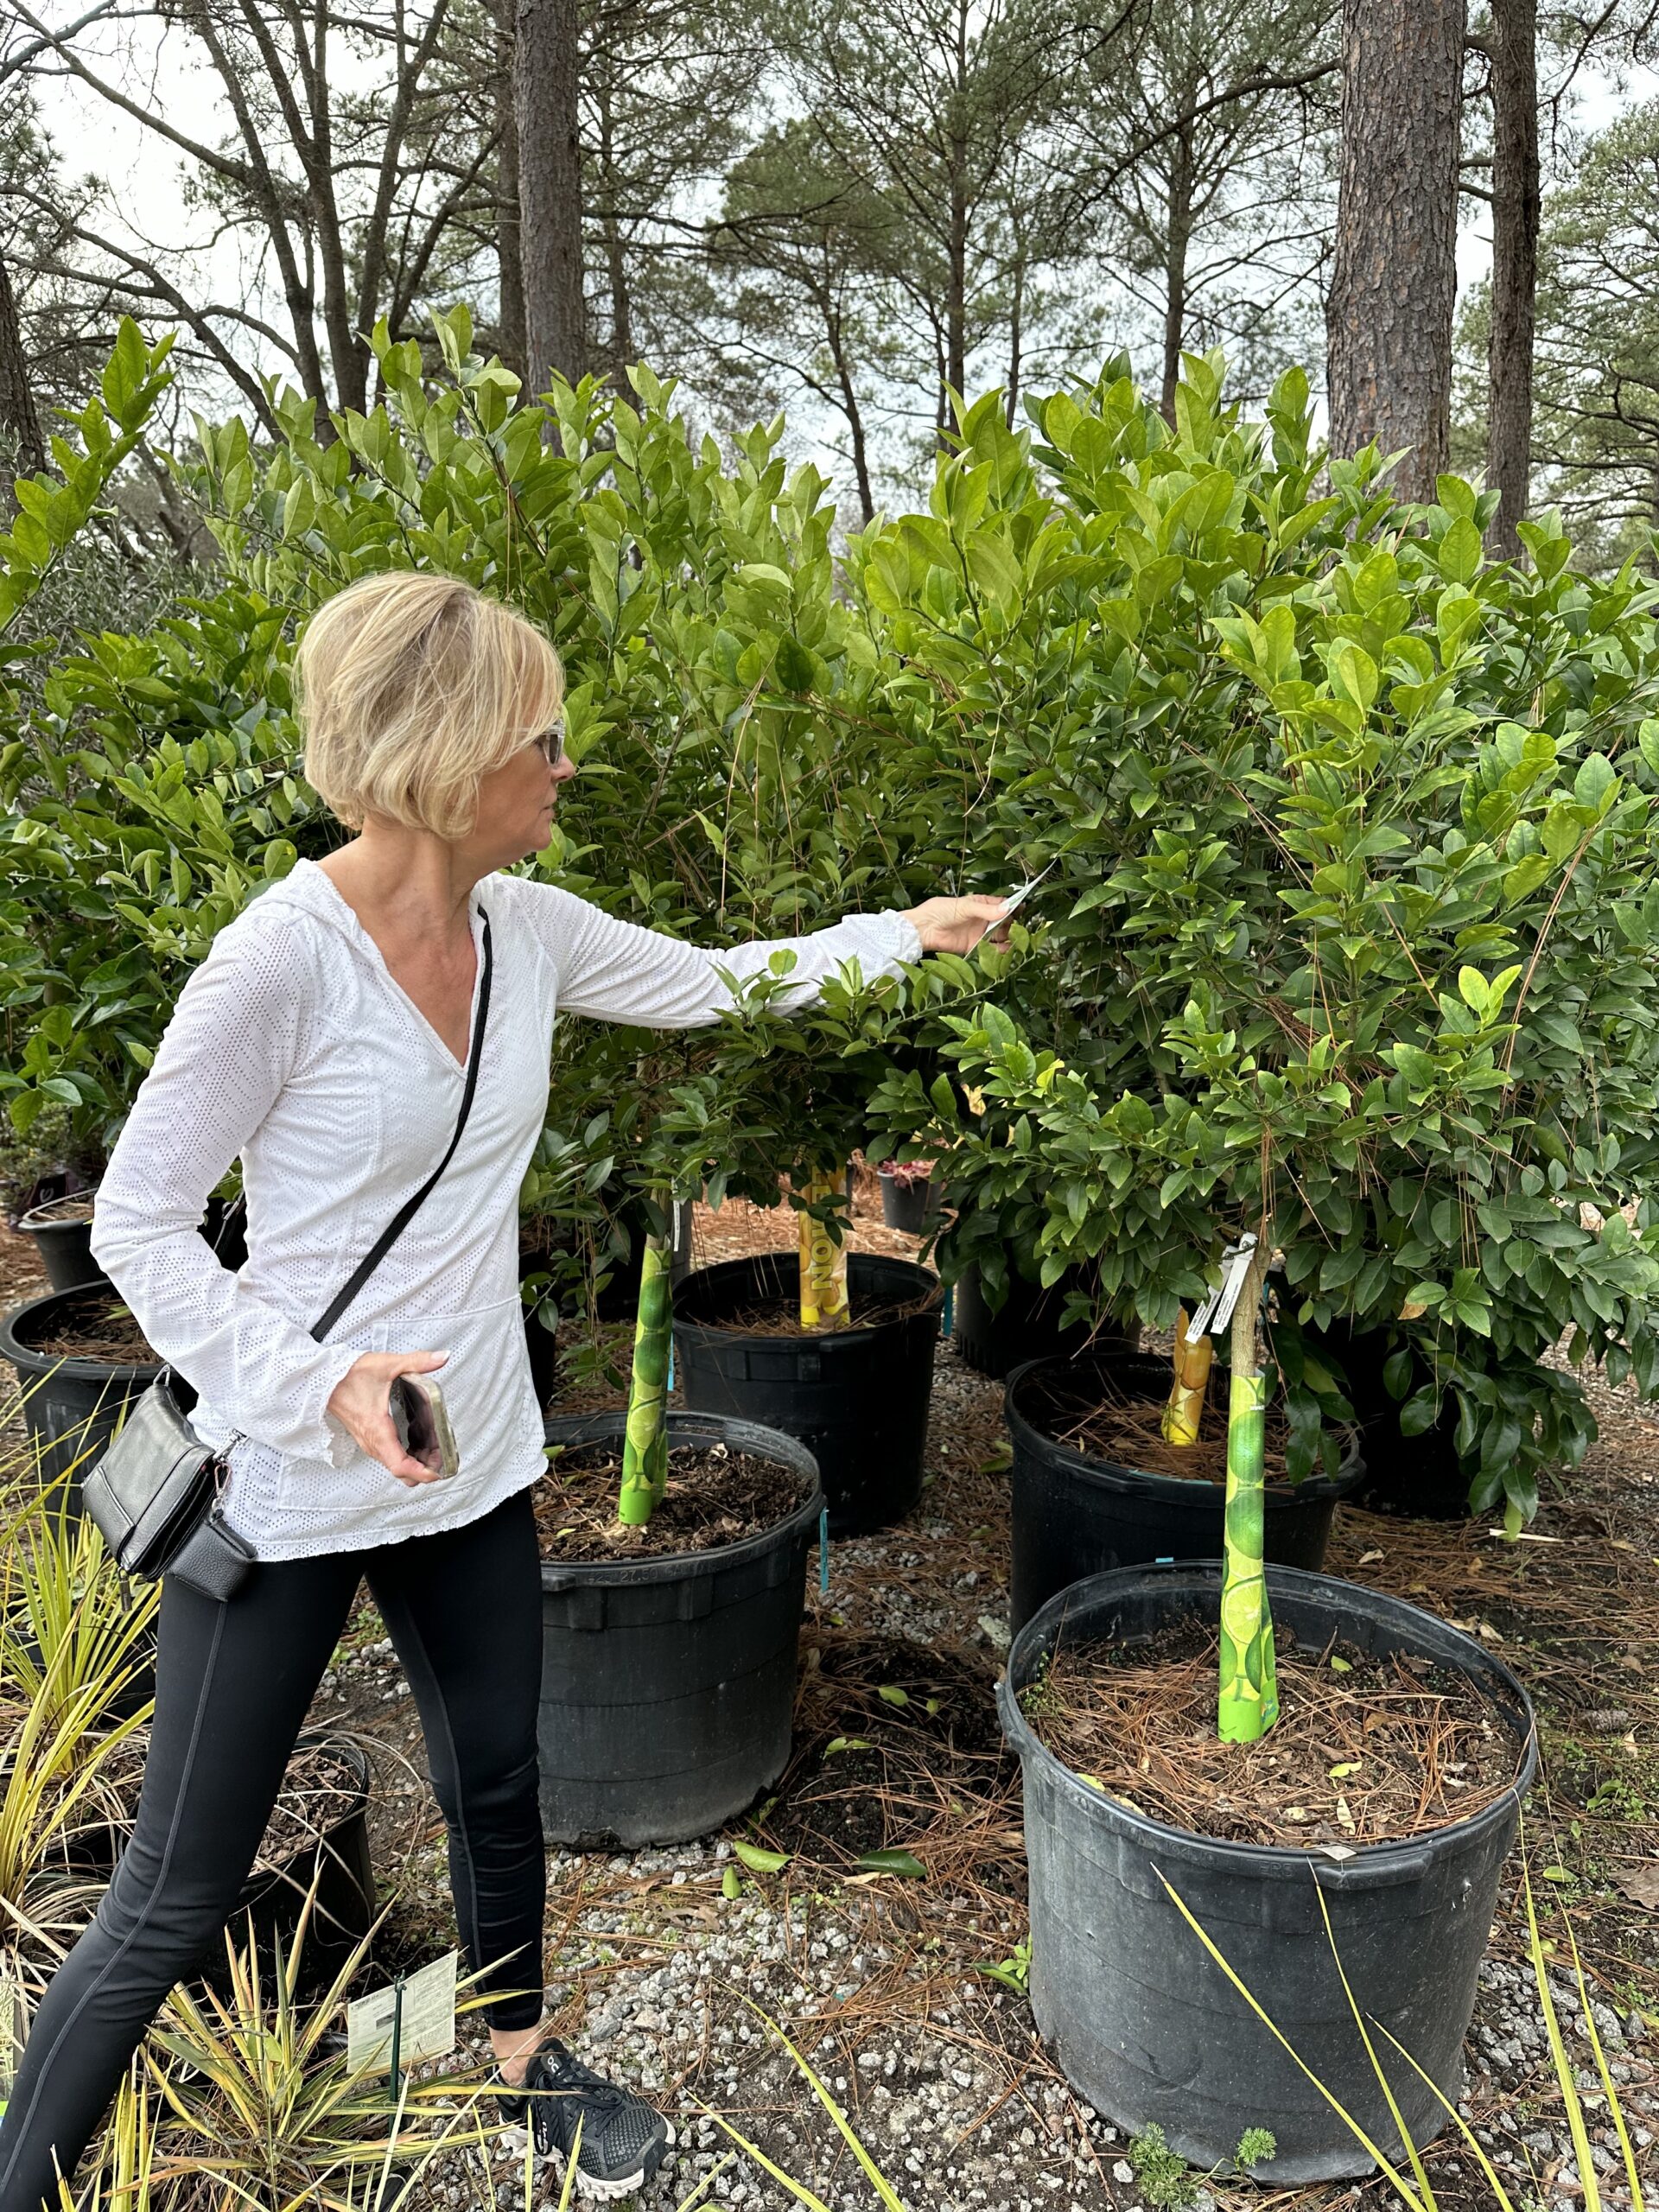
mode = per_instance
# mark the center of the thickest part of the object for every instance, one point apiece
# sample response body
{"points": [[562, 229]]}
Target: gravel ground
{"points": [[658, 1976]]}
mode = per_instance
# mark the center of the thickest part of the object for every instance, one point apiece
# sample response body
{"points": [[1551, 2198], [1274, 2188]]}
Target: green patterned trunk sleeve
{"points": [[1248, 1702], [644, 1452]]}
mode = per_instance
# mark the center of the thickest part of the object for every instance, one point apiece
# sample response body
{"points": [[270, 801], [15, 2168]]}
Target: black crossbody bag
{"points": [[154, 1493]]}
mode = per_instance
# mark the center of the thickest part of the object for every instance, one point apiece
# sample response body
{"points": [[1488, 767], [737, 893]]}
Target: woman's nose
{"points": [[563, 768]]}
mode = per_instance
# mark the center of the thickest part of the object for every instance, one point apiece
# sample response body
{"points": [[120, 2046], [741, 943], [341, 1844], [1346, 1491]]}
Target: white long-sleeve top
{"points": [[292, 1048]]}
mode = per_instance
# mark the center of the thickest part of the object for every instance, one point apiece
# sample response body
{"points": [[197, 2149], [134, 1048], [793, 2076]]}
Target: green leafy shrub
{"points": [[1352, 928]]}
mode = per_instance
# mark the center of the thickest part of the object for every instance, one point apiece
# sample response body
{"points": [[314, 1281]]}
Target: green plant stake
{"points": [[644, 1449], [1248, 1702]]}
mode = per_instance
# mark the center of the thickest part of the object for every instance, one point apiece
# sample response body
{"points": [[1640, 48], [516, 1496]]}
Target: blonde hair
{"points": [[412, 687]]}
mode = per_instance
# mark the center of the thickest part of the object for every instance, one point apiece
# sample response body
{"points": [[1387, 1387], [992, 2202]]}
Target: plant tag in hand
{"points": [[429, 2023], [1016, 899]]}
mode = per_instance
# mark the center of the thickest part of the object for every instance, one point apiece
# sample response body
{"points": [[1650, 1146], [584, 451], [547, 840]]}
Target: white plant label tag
{"points": [[428, 2021]]}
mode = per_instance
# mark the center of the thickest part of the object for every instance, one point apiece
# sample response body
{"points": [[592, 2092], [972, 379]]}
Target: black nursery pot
{"points": [[65, 1247], [857, 1398], [1025, 1326], [71, 1407], [909, 1206], [1419, 1476], [1144, 2025], [667, 1685], [1075, 1516], [337, 1862]]}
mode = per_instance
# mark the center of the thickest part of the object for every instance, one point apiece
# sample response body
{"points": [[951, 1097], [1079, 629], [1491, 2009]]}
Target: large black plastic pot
{"points": [[857, 1398], [1145, 2025], [1075, 1516], [667, 1685], [1025, 1326], [71, 1407], [65, 1246]]}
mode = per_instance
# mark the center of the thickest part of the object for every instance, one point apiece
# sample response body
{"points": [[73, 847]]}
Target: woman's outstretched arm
{"points": [[616, 971]]}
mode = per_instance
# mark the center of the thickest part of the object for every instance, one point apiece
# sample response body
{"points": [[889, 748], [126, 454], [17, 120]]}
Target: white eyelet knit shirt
{"points": [[292, 1048]]}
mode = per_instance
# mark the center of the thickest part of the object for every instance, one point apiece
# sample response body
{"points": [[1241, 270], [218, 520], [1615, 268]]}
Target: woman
{"points": [[323, 1041]]}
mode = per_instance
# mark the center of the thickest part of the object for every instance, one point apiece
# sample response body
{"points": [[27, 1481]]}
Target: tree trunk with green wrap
{"points": [[1248, 1702], [645, 1451]]}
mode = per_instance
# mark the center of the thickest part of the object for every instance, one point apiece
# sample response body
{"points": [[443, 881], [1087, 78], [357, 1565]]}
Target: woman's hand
{"points": [[954, 925], [359, 1403]]}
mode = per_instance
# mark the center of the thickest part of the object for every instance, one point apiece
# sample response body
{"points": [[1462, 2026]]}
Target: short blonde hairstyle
{"points": [[412, 687]]}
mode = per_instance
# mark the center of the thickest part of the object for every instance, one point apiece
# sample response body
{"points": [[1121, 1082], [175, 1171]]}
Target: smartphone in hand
{"points": [[421, 1421]]}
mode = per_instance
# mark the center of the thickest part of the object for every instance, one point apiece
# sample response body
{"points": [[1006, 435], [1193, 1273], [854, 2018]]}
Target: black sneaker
{"points": [[622, 2138]]}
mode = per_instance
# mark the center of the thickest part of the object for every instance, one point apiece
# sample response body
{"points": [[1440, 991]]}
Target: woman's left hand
{"points": [[955, 924]]}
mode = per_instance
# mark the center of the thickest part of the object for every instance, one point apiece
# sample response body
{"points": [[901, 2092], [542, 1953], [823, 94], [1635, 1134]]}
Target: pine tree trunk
{"points": [[1516, 204], [546, 83], [509, 249], [17, 410], [1176, 244], [1394, 278]]}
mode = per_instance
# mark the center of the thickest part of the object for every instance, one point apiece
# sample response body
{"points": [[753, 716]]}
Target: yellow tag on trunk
{"points": [[823, 1262]]}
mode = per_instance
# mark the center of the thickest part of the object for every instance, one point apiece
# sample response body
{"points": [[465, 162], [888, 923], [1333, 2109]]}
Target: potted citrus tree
{"points": [[1353, 840]]}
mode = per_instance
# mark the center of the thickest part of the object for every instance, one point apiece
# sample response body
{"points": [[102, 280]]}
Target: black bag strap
{"points": [[406, 1213]]}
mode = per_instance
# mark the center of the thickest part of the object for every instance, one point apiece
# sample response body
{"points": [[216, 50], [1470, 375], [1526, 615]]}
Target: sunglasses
{"points": [[550, 743]]}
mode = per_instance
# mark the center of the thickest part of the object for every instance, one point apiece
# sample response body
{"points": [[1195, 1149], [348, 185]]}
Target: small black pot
{"points": [[1025, 1326], [667, 1685], [1420, 1476], [337, 1862], [857, 1398], [1143, 2023], [65, 1247], [909, 1206], [71, 1407], [1075, 1516]]}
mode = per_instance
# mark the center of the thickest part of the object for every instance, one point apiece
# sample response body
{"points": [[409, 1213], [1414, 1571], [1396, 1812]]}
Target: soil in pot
{"points": [[1094, 1485], [74, 1393], [1367, 1748], [1143, 2019], [857, 1397], [99, 1327], [715, 1495], [668, 1653]]}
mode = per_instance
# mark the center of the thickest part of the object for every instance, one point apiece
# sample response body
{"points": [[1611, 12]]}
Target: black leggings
{"points": [[232, 1686]]}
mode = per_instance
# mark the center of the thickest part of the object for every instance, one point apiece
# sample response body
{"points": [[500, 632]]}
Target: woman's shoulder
{"points": [[279, 934], [546, 911]]}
